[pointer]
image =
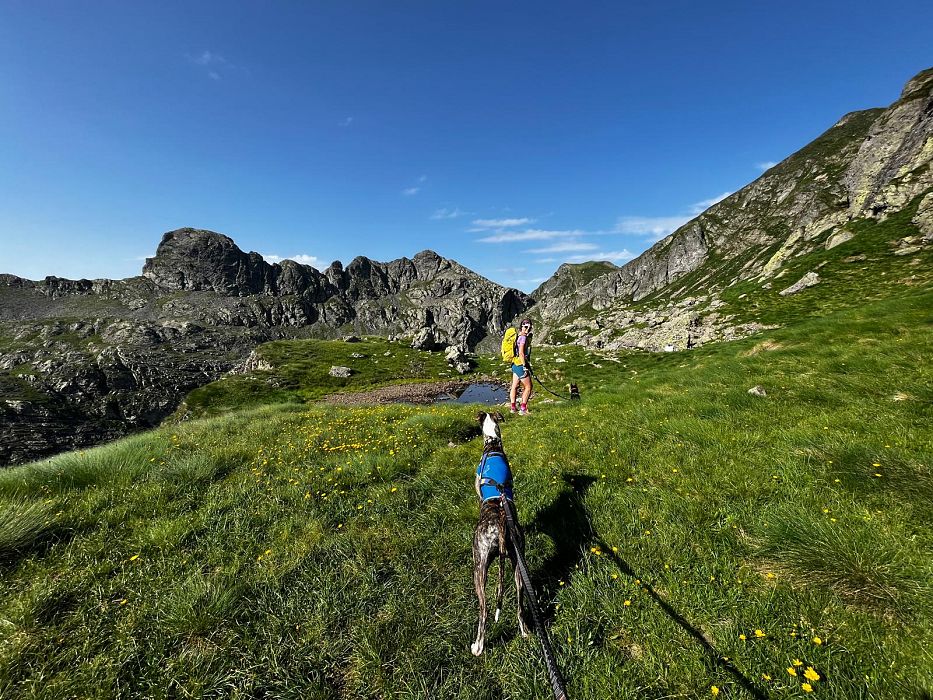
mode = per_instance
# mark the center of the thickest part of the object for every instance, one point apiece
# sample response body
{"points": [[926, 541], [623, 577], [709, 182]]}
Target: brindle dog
{"points": [[492, 537]]}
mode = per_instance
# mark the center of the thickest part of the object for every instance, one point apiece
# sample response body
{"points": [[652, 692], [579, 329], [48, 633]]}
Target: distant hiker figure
{"points": [[521, 369]]}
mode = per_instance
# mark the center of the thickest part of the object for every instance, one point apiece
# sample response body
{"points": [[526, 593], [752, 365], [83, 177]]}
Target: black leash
{"points": [[535, 376], [557, 681]]}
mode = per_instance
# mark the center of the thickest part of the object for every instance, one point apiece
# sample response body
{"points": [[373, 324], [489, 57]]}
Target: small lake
{"points": [[480, 392]]}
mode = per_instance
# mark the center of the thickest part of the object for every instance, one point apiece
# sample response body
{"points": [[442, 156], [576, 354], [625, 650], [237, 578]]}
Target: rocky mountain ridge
{"points": [[83, 361], [869, 165]]}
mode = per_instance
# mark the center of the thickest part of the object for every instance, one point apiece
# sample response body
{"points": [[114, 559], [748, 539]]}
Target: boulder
{"points": [[839, 238], [424, 339], [342, 372], [758, 390], [455, 353], [808, 280]]}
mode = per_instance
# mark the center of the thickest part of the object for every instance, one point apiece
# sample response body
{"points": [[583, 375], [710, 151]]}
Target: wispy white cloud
{"points": [[655, 227], [565, 247], [512, 270], [528, 235], [700, 207], [486, 224], [209, 58], [612, 256], [211, 62], [345, 122], [409, 191], [300, 258], [765, 165], [445, 213]]}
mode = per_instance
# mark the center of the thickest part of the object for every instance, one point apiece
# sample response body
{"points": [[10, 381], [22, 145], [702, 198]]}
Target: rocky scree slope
{"points": [[84, 361], [868, 166]]}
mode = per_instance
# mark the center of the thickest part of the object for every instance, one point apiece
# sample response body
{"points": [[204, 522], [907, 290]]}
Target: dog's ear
{"points": [[481, 416], [498, 417]]}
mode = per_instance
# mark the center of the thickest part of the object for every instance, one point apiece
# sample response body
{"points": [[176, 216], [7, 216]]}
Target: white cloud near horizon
{"points": [[565, 247], [409, 191], [655, 227], [528, 235], [612, 256], [700, 207], [485, 224], [301, 258], [765, 165]]}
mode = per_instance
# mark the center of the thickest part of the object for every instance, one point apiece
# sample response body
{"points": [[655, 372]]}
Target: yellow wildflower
{"points": [[627, 603], [811, 675], [715, 691], [760, 634], [806, 687], [817, 641], [791, 670], [765, 676], [742, 637], [797, 662]]}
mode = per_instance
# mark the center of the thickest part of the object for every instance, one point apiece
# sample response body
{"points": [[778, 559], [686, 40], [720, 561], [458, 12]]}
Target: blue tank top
{"points": [[494, 467]]}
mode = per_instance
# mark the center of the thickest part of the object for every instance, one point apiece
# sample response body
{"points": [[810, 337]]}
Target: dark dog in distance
{"points": [[492, 536]]}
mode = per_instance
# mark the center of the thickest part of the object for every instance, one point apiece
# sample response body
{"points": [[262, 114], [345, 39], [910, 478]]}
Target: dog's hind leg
{"points": [[481, 562]]}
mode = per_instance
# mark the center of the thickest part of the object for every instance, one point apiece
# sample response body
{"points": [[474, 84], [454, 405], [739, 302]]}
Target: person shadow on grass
{"points": [[567, 522]]}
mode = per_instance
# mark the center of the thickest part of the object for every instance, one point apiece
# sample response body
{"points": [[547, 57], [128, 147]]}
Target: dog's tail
{"points": [[501, 561]]}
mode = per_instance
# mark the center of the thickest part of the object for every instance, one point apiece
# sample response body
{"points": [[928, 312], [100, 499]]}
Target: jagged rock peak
{"points": [[195, 259]]}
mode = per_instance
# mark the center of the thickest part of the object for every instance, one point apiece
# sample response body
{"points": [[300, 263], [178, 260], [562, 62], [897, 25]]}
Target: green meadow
{"points": [[686, 538]]}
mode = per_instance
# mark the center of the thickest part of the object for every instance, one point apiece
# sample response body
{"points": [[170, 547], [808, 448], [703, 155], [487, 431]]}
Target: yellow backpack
{"points": [[508, 345]]}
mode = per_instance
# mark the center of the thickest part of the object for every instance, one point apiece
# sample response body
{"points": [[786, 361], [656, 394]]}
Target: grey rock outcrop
{"points": [[868, 165]]}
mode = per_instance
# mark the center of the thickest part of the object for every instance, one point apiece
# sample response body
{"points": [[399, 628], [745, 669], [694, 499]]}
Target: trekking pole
{"points": [[557, 681]]}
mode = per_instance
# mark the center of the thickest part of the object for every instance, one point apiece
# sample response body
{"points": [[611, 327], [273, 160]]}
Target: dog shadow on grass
{"points": [[567, 522]]}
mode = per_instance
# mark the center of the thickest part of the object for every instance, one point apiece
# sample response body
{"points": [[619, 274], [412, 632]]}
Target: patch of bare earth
{"points": [[422, 393]]}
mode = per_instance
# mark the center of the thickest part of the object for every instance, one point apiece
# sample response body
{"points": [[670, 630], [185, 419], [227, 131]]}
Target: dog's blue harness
{"points": [[494, 472]]}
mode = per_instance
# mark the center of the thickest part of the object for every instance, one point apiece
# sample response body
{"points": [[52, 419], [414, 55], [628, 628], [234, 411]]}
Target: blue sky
{"points": [[510, 136]]}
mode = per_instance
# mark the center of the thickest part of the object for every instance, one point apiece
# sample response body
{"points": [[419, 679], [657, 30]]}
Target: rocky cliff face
{"points": [[869, 165], [84, 361]]}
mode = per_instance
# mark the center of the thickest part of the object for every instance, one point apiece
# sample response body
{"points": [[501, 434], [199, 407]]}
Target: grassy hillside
{"points": [[688, 539]]}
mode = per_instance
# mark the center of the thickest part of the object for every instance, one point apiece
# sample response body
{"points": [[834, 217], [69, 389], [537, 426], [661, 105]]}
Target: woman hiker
{"points": [[521, 368]]}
